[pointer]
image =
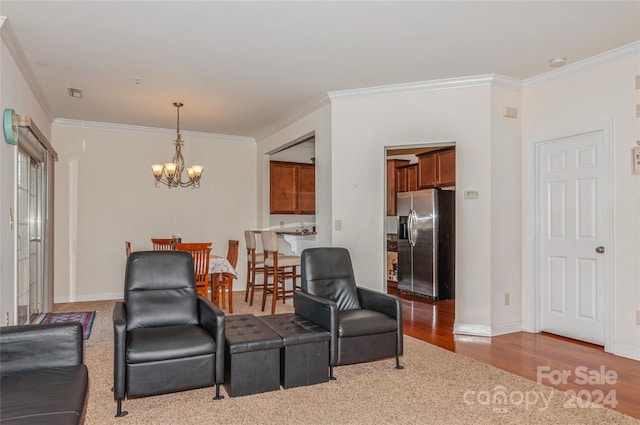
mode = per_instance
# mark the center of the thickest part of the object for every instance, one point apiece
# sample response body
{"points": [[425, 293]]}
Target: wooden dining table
{"points": [[217, 266]]}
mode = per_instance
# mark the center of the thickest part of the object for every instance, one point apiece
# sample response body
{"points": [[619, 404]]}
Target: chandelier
{"points": [[170, 173]]}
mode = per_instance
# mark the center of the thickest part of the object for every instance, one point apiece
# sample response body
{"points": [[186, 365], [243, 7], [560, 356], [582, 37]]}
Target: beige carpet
{"points": [[436, 387]]}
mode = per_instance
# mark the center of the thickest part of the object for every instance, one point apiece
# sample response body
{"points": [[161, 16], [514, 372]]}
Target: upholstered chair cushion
{"points": [[327, 273], [158, 291]]}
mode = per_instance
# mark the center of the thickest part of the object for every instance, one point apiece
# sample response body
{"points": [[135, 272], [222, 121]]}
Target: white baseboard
{"points": [[92, 297], [486, 330], [627, 351]]}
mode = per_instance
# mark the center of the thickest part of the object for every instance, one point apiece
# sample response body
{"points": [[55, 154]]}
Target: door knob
{"points": [[600, 249]]}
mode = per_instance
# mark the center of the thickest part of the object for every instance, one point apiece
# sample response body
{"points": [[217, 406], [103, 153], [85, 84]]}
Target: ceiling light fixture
{"points": [[170, 173], [557, 62]]}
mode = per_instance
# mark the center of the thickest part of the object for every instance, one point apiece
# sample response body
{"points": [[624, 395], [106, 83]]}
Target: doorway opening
{"points": [[410, 169]]}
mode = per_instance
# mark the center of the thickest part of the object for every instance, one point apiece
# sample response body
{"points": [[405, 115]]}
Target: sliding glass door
{"points": [[34, 223], [30, 290]]}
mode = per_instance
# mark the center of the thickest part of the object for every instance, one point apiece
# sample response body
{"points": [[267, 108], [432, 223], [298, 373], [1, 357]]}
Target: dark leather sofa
{"points": [[44, 380]]}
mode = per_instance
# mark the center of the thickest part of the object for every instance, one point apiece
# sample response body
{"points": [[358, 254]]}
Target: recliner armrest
{"points": [[120, 346], [381, 302], [30, 347], [320, 311], [387, 304], [212, 319]]}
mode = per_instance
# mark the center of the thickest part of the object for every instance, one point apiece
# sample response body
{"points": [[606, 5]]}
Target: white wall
{"points": [[14, 94], [364, 126], [589, 95], [506, 216], [113, 199]]}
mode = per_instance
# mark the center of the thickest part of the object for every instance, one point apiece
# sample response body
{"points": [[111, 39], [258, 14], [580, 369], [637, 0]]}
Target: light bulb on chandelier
{"points": [[170, 173]]}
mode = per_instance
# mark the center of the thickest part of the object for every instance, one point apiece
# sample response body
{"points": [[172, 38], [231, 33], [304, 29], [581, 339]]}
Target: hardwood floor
{"points": [[590, 372]]}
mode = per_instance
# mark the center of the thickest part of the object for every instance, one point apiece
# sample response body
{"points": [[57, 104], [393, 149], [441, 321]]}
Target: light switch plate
{"points": [[338, 225]]}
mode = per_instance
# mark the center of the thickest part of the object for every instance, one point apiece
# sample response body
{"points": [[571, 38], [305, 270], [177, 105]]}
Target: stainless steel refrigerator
{"points": [[426, 243]]}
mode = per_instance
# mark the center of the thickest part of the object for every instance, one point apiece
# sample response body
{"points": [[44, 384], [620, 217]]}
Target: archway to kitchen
{"points": [[292, 193]]}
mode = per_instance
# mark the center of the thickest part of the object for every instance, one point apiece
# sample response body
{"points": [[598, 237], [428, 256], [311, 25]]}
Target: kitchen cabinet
{"points": [[392, 183], [307, 189], [407, 178], [292, 188], [437, 169]]}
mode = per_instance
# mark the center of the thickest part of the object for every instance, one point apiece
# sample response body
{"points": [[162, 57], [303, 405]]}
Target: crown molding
{"points": [[447, 83], [307, 109], [421, 86], [141, 129], [622, 52], [17, 53]]}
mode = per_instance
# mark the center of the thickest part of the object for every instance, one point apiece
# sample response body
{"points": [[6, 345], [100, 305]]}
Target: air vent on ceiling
{"points": [[73, 92]]}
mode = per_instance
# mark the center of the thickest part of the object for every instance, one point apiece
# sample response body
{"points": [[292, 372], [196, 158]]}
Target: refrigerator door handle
{"points": [[411, 227]]}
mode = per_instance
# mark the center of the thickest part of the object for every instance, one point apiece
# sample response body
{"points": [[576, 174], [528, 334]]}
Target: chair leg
{"points": [[246, 290], [331, 377], [275, 290], [253, 284], [264, 287], [120, 413], [221, 294], [218, 396], [284, 286], [398, 366], [230, 292]]}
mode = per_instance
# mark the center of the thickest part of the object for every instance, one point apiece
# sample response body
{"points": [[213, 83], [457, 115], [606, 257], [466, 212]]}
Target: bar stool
{"points": [[281, 267], [255, 262]]}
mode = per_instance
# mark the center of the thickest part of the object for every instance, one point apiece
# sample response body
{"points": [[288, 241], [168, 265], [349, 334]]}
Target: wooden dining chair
{"points": [[280, 268], [162, 244], [127, 248], [222, 283], [255, 263], [200, 253]]}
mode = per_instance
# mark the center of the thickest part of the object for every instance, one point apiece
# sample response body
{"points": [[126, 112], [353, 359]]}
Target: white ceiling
{"points": [[242, 67]]}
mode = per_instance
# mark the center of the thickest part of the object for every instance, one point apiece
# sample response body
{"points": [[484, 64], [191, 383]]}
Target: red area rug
{"points": [[84, 317]]}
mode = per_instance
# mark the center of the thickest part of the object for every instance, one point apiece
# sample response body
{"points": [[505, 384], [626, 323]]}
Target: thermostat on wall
{"points": [[471, 194]]}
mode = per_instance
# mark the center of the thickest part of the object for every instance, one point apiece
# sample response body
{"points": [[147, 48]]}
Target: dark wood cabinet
{"points": [[392, 183], [401, 180], [412, 177], [307, 189], [446, 164], [292, 188], [437, 169], [427, 173], [407, 178]]}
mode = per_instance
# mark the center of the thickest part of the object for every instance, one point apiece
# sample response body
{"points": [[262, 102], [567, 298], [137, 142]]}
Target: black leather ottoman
{"points": [[304, 358], [252, 356]]}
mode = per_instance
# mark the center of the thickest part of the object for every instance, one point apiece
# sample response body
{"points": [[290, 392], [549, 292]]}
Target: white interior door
{"points": [[571, 237]]}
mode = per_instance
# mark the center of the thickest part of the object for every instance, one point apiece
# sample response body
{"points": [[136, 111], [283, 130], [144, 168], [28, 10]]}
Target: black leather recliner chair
{"points": [[364, 325], [166, 337], [44, 379]]}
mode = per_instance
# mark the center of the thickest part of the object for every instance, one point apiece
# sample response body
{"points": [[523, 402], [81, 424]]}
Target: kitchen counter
{"points": [[292, 237]]}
